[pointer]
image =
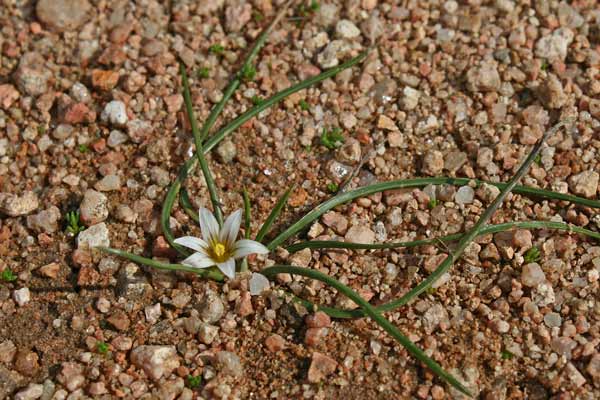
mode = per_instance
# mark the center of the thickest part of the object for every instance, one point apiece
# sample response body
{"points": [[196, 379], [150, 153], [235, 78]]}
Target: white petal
{"points": [[231, 227], [245, 247], [258, 283], [193, 243], [198, 260], [208, 225], [228, 268]]}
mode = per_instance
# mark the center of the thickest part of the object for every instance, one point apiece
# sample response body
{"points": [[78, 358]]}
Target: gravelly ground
{"points": [[91, 119]]}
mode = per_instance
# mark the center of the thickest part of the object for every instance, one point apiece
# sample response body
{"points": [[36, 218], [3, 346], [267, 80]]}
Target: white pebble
{"points": [[22, 296], [115, 113], [258, 283]]}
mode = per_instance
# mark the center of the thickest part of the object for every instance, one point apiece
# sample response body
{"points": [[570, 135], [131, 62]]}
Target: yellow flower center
{"points": [[219, 250]]}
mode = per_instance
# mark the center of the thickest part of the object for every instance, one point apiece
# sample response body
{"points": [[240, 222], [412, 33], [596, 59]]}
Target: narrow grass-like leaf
{"points": [[209, 273], [210, 182], [247, 213], [186, 204], [369, 310], [264, 229], [489, 229]]}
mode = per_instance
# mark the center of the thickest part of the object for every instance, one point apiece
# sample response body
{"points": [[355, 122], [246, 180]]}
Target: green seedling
{"points": [[304, 106], [194, 381], [532, 255], [74, 225], [507, 355], [332, 187], [216, 49], [432, 204], [332, 138], [256, 99], [248, 73], [203, 73], [8, 276], [101, 347], [83, 148]]}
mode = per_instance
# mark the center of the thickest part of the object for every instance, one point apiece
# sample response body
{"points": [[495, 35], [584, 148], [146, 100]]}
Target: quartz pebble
{"points": [[94, 236], [532, 275], [156, 361], [114, 113], [22, 296]]}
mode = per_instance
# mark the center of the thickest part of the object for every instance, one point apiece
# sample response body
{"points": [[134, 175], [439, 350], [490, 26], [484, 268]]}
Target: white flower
{"points": [[219, 246]]}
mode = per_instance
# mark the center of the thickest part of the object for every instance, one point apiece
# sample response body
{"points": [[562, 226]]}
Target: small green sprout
{"points": [[304, 105], [430, 291], [332, 187], [203, 73], [532, 255], [314, 5], [248, 73], [256, 99], [308, 148], [538, 159], [216, 49], [83, 148], [507, 355], [544, 66], [101, 347], [432, 204], [41, 129], [194, 381], [73, 222], [8, 276], [332, 138], [257, 16]]}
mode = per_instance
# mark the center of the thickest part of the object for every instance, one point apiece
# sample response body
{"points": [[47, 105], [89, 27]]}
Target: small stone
{"points": [[318, 320], [116, 138], [207, 333], [360, 234], [301, 258], [345, 29], [554, 46], [119, 320], [237, 15], [211, 308], [32, 392], [484, 78], [97, 388], [410, 99], [94, 236], [114, 113], [229, 364], [336, 221], [15, 206], [435, 316], [63, 15], [152, 313], [552, 320], [501, 326], [386, 123], [329, 57], [8, 95], [45, 221], [49, 270], [257, 284], [31, 75], [122, 343], [138, 130], [156, 361], [320, 367], [8, 350], [104, 80], [93, 208], [433, 162], [593, 367], [22, 296], [350, 152], [568, 17], [464, 195], [454, 160], [244, 305], [80, 93], [574, 376], [108, 183], [521, 238], [532, 275], [27, 362], [226, 151], [314, 336], [487, 192], [585, 183], [551, 92], [275, 343], [348, 120]]}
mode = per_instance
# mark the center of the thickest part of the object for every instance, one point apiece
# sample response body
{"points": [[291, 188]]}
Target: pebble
{"points": [[552, 93], [8, 95], [555, 45], [80, 93], [593, 367], [14, 206], [574, 376], [568, 17], [22, 296], [345, 29], [116, 138], [212, 308], [93, 208], [108, 183], [95, 235], [433, 162], [156, 361], [226, 151], [114, 113], [532, 275], [484, 78], [318, 320], [275, 343], [31, 75], [410, 98], [585, 183], [152, 313], [321, 366], [464, 195], [207, 333], [487, 192], [329, 57], [433, 317], [301, 258], [32, 392], [257, 284], [27, 362], [44, 221], [552, 320], [385, 122], [71, 376], [360, 234], [63, 15], [335, 221], [229, 363], [8, 350]]}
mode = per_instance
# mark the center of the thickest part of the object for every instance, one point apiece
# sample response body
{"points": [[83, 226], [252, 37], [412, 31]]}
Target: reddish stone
{"points": [[119, 320], [104, 80], [8, 95], [88, 276], [314, 336], [49, 270], [79, 113], [275, 343], [82, 258], [318, 320], [161, 248], [320, 367]]}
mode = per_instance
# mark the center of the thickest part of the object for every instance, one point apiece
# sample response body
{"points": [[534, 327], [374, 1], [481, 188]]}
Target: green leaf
{"points": [[532, 255], [332, 138], [248, 72], [194, 381], [8, 276], [216, 49], [101, 347], [303, 105], [332, 187], [264, 229], [203, 73]]}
